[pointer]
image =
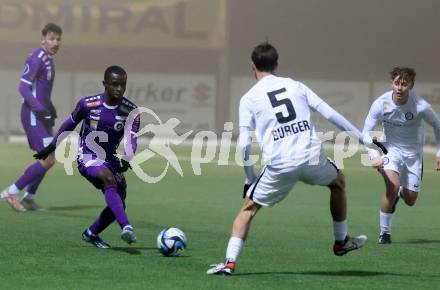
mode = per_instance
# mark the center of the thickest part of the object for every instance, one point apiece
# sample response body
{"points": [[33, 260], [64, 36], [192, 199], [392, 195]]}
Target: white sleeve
{"points": [[245, 147], [333, 116], [432, 119], [312, 99], [328, 112], [369, 124], [245, 116], [337, 119]]}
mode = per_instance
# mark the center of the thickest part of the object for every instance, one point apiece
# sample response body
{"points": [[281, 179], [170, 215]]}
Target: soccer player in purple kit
{"points": [[37, 116], [103, 118]]}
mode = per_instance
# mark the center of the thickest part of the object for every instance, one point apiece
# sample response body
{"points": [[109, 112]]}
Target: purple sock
{"points": [[103, 221], [116, 205], [32, 188], [33, 173]]}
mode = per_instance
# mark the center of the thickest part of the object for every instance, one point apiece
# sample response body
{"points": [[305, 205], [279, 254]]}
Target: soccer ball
{"points": [[171, 241]]}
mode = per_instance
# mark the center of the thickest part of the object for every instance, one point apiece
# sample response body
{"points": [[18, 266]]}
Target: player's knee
{"points": [[410, 197], [108, 179], [338, 185], [392, 191], [250, 208], [410, 202], [48, 162]]}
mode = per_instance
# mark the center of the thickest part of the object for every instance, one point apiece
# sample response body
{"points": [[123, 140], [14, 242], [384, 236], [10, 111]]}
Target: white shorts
{"points": [[274, 184], [410, 169]]}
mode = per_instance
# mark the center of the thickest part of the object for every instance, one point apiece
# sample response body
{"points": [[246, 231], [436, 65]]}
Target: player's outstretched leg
{"points": [[128, 235], [338, 207], [95, 240], [103, 221], [349, 244], [240, 230]]}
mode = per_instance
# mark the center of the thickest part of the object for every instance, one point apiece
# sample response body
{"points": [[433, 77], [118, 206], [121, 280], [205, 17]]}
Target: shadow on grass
{"points": [[73, 207], [131, 250], [353, 273], [423, 241]]}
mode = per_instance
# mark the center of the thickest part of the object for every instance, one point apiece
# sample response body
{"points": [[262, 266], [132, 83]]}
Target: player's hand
{"points": [[53, 111], [366, 140], [124, 165], [373, 143], [46, 151], [245, 189], [381, 146], [45, 117], [377, 162]]}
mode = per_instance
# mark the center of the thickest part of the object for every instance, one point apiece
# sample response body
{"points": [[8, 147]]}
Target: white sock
{"points": [[90, 232], [13, 189], [28, 195], [234, 248], [340, 230], [385, 222]]}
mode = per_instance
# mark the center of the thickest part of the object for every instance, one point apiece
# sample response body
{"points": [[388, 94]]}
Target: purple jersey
{"points": [[101, 119], [39, 75]]}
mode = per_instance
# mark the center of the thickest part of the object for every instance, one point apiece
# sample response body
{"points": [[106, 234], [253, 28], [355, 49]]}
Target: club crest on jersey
{"points": [[409, 116], [118, 126]]}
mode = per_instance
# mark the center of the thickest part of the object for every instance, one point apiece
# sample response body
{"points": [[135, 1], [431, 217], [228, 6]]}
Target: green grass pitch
{"points": [[289, 246]]}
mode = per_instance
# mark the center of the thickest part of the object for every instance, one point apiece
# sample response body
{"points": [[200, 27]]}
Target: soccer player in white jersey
{"points": [[278, 110], [400, 112]]}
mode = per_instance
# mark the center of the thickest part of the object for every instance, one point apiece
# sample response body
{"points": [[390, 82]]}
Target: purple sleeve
{"points": [[80, 111], [70, 124], [67, 126], [30, 72], [130, 151]]}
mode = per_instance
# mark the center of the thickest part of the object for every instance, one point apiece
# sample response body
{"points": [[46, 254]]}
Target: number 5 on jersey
{"points": [[291, 114]]}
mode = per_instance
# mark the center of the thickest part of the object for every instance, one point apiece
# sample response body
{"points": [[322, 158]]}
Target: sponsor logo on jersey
{"points": [[93, 104]]}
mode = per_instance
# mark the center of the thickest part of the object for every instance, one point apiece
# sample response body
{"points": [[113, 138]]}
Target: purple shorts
{"points": [[90, 172], [38, 136]]}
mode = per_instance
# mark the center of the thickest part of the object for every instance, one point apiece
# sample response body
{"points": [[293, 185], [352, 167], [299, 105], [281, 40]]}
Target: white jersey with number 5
{"points": [[278, 110]]}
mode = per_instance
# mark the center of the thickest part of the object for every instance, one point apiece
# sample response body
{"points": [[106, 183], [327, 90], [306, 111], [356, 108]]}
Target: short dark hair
{"points": [[405, 73], [114, 69], [265, 57], [51, 27]]}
